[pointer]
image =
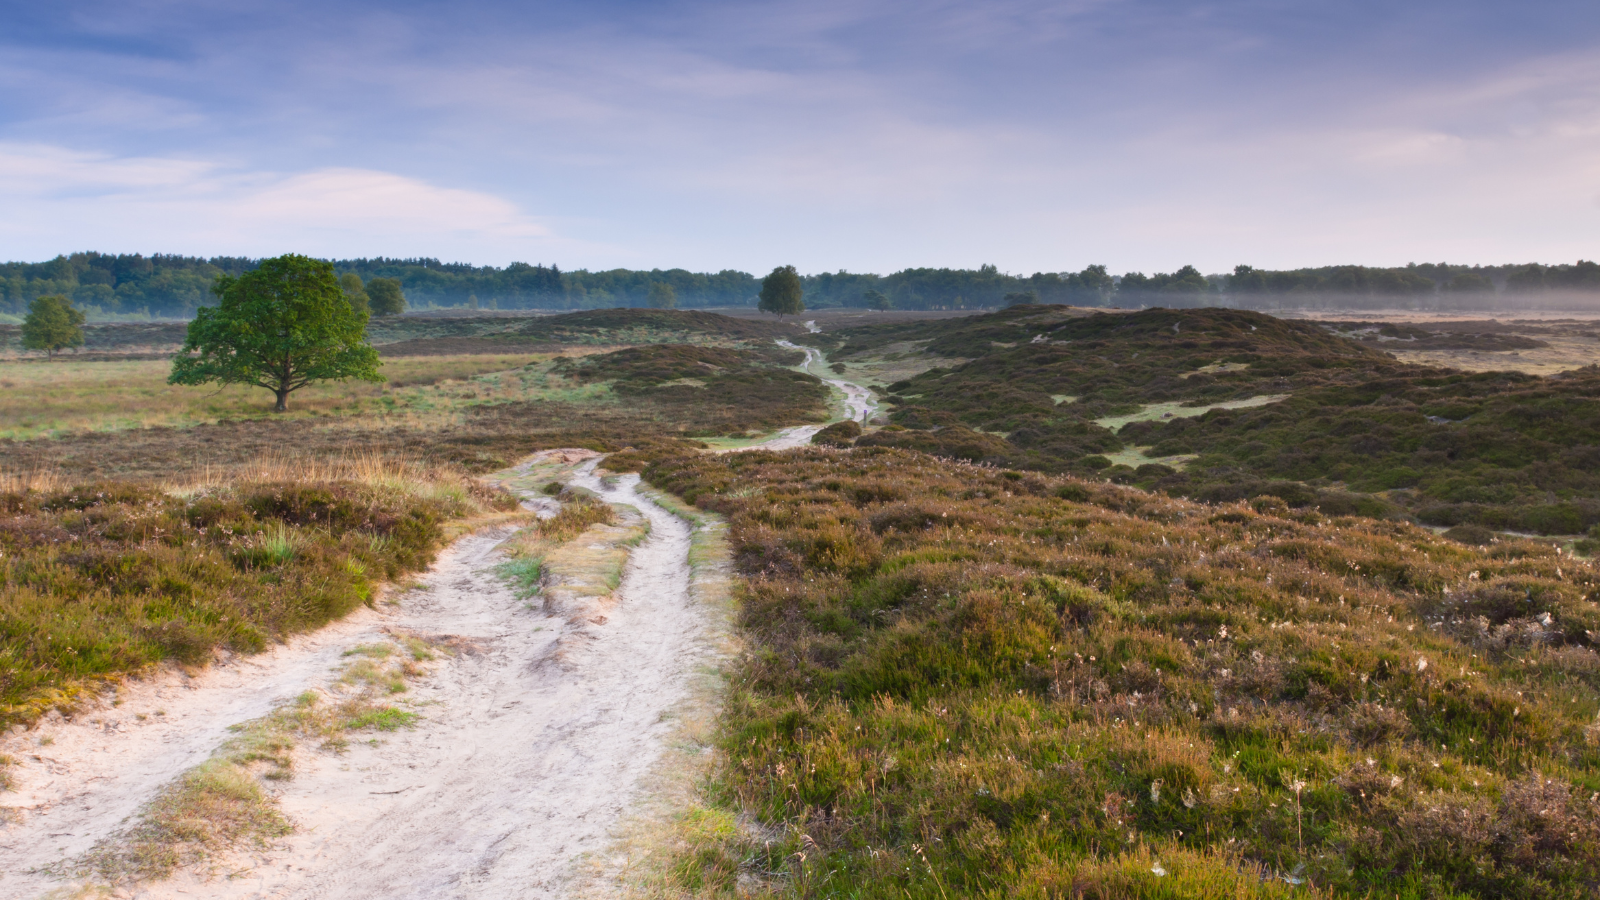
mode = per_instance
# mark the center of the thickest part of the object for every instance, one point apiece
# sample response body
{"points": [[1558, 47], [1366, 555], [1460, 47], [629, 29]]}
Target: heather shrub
{"points": [[984, 683]]}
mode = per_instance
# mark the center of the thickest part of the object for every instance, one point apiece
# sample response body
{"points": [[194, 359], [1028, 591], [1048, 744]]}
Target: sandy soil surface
{"points": [[533, 742]]}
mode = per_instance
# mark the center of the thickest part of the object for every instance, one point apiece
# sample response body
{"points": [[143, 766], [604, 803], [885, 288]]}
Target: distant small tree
{"points": [[877, 300], [350, 282], [280, 326], [386, 297], [1021, 298], [662, 296], [781, 293], [52, 325]]}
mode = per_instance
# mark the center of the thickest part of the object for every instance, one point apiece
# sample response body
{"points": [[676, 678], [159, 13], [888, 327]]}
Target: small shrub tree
{"points": [[386, 298], [877, 300], [52, 325], [281, 326], [662, 296], [781, 293], [356, 292]]}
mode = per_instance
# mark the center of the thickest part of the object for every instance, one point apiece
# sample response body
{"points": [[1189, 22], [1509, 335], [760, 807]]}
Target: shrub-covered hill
{"points": [[704, 390], [963, 681], [600, 327], [1050, 389]]}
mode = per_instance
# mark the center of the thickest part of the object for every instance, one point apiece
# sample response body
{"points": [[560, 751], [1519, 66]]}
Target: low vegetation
{"points": [[705, 391], [1295, 411], [970, 681], [98, 581]]}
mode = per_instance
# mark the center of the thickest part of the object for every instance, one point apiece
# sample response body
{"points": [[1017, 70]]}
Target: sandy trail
{"points": [[859, 403], [532, 746]]}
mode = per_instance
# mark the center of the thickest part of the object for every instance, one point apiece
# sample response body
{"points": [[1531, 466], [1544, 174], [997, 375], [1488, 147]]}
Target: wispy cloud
{"points": [[81, 200]]}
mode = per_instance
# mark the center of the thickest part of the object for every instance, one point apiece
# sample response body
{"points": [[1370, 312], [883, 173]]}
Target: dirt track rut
{"points": [[532, 746]]}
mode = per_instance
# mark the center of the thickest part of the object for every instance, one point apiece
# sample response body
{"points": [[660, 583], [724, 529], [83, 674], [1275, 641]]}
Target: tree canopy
{"points": [[280, 326], [781, 293], [387, 298], [52, 325], [662, 296], [355, 291]]}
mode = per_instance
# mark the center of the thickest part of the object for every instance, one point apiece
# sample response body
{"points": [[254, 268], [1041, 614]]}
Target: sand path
{"points": [[532, 746], [859, 403]]}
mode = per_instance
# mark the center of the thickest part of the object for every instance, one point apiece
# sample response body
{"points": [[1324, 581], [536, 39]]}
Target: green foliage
{"points": [[355, 292], [662, 296], [577, 513], [523, 575], [964, 681], [106, 579], [52, 325], [877, 300], [279, 326], [388, 299], [839, 434], [782, 293]]}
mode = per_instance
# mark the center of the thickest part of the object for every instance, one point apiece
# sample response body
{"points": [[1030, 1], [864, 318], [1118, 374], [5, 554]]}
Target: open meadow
{"points": [[1132, 603]]}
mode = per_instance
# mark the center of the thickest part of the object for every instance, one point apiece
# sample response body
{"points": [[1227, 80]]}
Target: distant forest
{"points": [[173, 286]]}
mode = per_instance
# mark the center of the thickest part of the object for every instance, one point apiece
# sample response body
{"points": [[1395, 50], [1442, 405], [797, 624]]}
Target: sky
{"points": [[870, 135]]}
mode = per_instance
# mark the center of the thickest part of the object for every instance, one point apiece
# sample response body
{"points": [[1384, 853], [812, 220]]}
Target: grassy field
{"points": [[118, 418], [964, 681], [65, 395]]}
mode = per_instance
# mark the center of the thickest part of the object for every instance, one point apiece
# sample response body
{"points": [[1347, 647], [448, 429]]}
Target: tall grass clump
{"points": [[966, 681], [101, 580]]}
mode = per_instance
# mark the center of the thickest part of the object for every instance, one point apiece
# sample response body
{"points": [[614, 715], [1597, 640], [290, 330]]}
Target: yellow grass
{"points": [[40, 399]]}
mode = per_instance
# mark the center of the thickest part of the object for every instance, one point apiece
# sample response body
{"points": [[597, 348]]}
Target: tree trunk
{"points": [[283, 400]]}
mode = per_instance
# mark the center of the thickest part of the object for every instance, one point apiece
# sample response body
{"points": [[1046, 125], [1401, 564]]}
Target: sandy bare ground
{"points": [[532, 746]]}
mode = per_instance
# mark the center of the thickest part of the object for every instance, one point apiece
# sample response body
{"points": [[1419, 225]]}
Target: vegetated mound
{"points": [[966, 681], [1333, 421], [839, 434], [705, 390], [1445, 336], [106, 579], [599, 327]]}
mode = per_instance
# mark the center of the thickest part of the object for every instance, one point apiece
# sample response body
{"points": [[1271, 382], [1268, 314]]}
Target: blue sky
{"points": [[869, 135]]}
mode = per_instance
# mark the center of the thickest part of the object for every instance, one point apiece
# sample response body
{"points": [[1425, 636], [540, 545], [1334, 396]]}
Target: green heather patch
{"points": [[969, 681], [102, 580], [1257, 406]]}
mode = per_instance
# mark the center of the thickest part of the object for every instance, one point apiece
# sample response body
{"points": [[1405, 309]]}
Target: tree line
{"points": [[173, 286]]}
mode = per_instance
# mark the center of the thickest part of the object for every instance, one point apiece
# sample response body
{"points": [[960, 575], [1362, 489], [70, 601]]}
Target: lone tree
{"points": [[662, 296], [280, 327], [877, 300], [781, 293], [385, 297], [52, 325]]}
